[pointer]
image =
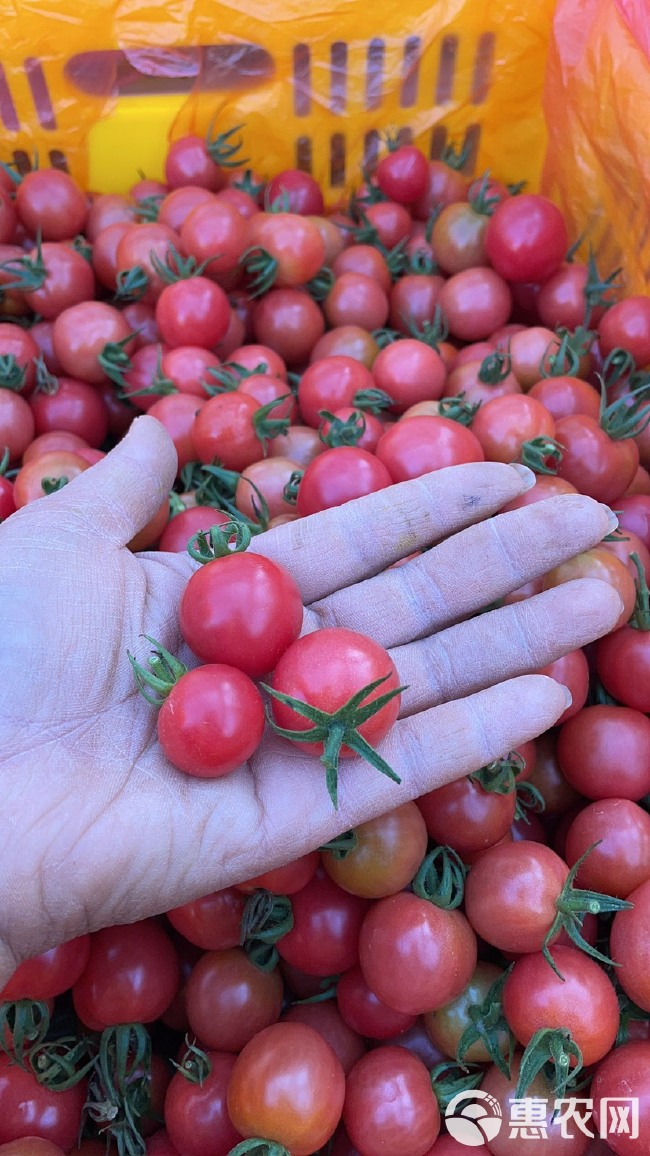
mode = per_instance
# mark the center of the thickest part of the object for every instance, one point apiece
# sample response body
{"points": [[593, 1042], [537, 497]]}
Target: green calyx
{"points": [[564, 361], [373, 401], [528, 798], [232, 537], [640, 619], [550, 1046], [131, 284], [571, 905], [247, 184], [53, 485], [260, 268], [341, 846], [267, 427], [224, 148], [421, 263], [489, 1026], [430, 332], [195, 1066], [257, 1147], [115, 361], [26, 1023], [165, 670], [480, 199], [30, 272], [61, 1064], [149, 207], [386, 336], [629, 415], [176, 268], [322, 284], [459, 410], [449, 1078], [339, 728], [500, 776], [542, 455], [455, 156], [598, 291], [495, 367], [119, 1090], [342, 431], [290, 491], [266, 919], [12, 375], [440, 878]]}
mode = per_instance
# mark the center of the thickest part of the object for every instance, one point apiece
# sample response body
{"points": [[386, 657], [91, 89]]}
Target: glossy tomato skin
{"points": [[213, 921], [324, 939], [49, 974], [546, 775], [584, 1000], [71, 405], [510, 894], [566, 396], [402, 174], [287, 1085], [446, 1025], [338, 476], [325, 668], [132, 975], [188, 162], [604, 752], [330, 383], [475, 302], [192, 312], [513, 1142], [299, 190], [629, 946], [623, 1074], [325, 1018], [28, 1108], [390, 1107], [196, 1115], [418, 445], [212, 721], [464, 816], [413, 301], [291, 323], [405, 935], [595, 464], [242, 610], [50, 201], [224, 431], [355, 299], [620, 861], [409, 371], [300, 444], [388, 853], [504, 424], [572, 670], [80, 334], [28, 483], [215, 232], [229, 1000], [627, 325], [458, 238], [601, 564], [284, 880], [526, 238], [623, 666], [69, 279], [16, 423], [177, 412], [365, 1012], [294, 242]]}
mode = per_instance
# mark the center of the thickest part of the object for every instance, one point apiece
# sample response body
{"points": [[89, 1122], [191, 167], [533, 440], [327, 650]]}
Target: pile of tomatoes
{"points": [[301, 359]]}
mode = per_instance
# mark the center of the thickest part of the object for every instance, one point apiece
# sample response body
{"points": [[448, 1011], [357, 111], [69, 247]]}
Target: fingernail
{"points": [[527, 476], [611, 518], [567, 695]]}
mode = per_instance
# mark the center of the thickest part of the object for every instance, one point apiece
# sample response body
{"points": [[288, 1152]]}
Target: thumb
{"points": [[120, 494]]}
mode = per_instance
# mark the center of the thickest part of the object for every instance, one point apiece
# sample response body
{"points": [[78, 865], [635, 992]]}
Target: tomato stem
{"points": [[261, 269], [223, 149], [341, 846], [571, 905], [12, 375], [232, 537], [257, 1147], [542, 455], [26, 1023], [640, 619], [131, 284], [164, 672], [440, 878], [320, 286], [554, 1045], [195, 1066], [450, 1077], [500, 777], [489, 1026], [459, 410]]}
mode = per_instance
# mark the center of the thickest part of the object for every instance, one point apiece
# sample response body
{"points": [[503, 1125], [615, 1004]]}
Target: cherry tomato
{"points": [[345, 341], [137, 248], [364, 259], [16, 423], [242, 610], [557, 1139], [413, 301], [390, 220], [566, 396], [629, 944], [324, 939], [300, 444], [355, 299], [329, 383], [196, 1114], [225, 431], [405, 935], [623, 1075], [510, 894], [80, 335], [620, 861], [53, 466], [546, 486], [475, 302], [188, 162], [287, 1085], [211, 722], [71, 405], [627, 325], [326, 1019], [284, 880], [265, 480], [592, 461], [177, 412], [29, 1109], [601, 564], [192, 312], [290, 322], [504, 424], [293, 241], [213, 921], [445, 185], [402, 175], [44, 976], [409, 371], [132, 975], [418, 445], [50, 203], [386, 857], [18, 351], [216, 233], [365, 1012], [529, 352], [265, 389], [374, 428], [340, 475], [188, 367], [604, 752], [623, 666], [458, 238], [446, 1025], [389, 1106], [296, 190], [464, 816], [526, 238], [572, 671], [229, 1000]]}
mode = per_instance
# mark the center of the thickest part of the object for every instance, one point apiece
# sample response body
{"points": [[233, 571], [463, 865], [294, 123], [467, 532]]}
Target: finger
{"points": [[348, 543], [505, 643], [467, 572], [122, 492], [294, 814]]}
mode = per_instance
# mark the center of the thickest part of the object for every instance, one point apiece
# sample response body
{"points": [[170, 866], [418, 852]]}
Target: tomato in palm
{"points": [[592, 461], [196, 1113], [409, 371], [355, 299], [390, 1107], [417, 445], [584, 1000], [505, 423], [330, 383], [131, 976], [365, 1012], [466, 817], [446, 1025], [388, 852], [16, 423], [284, 880], [404, 935], [293, 242], [242, 610], [324, 939], [566, 396], [511, 892], [601, 564], [475, 302], [296, 190], [194, 311], [337, 476], [50, 203], [629, 946], [402, 175], [213, 921], [229, 1000], [325, 1018], [291, 323], [51, 467], [526, 238], [627, 325], [29, 1109], [604, 752], [287, 1085], [211, 722], [620, 861]]}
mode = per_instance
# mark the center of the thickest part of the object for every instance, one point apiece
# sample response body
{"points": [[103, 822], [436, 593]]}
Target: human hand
{"points": [[99, 829]]}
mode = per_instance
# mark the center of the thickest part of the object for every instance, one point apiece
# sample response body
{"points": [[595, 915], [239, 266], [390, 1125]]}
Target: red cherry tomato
{"points": [[526, 238], [390, 1107], [212, 721], [131, 976]]}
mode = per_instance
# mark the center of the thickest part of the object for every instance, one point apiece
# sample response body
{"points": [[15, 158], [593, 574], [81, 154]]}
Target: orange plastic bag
{"points": [[99, 88], [597, 106]]}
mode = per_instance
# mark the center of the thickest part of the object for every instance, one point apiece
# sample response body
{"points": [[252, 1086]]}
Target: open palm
{"points": [[98, 828]]}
